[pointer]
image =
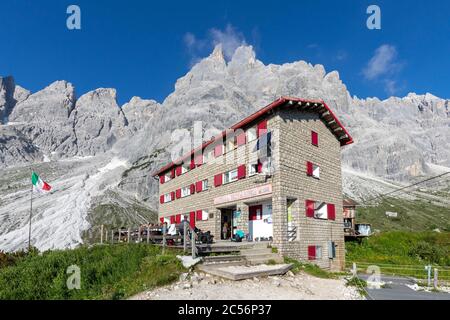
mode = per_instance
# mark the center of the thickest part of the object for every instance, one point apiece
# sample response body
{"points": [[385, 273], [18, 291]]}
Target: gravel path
{"points": [[201, 286]]}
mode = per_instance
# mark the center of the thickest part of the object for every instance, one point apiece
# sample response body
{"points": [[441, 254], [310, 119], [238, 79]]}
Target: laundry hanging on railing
{"points": [[264, 145]]}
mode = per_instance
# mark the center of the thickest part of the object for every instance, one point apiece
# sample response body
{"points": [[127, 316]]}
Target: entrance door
{"points": [[254, 219], [226, 223], [260, 222]]}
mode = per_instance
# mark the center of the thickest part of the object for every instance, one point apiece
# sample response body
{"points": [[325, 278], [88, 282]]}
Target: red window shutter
{"points": [[262, 128], [161, 220], [310, 208], [162, 179], [172, 173], [192, 164], [218, 180], [172, 219], [199, 215], [311, 252], [241, 139], [161, 199], [198, 186], [218, 150], [241, 171], [172, 195], [331, 211], [178, 171], [314, 138], [199, 160], [192, 219], [192, 188], [178, 218], [309, 168], [178, 193], [253, 212], [259, 169]]}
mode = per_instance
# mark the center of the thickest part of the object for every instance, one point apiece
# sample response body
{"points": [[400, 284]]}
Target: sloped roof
{"points": [[319, 106]]}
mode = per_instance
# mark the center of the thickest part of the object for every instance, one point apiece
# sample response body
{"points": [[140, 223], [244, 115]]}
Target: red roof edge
{"points": [[247, 120]]}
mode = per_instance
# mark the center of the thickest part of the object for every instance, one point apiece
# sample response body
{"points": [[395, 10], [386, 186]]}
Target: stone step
{"points": [[223, 258], [246, 252], [264, 258]]}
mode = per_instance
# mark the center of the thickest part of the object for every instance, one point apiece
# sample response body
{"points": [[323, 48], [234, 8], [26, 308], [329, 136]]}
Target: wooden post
{"points": [[185, 237], [435, 282], [106, 236], [112, 236], [129, 235], [139, 234], [31, 214], [164, 239], [193, 244], [101, 234], [148, 234], [354, 270]]}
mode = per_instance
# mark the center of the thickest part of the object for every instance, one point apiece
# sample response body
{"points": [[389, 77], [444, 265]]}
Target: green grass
{"points": [[413, 215], [310, 269], [107, 272], [402, 253], [359, 284]]}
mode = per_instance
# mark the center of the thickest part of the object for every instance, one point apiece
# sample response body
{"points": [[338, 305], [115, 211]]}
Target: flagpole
{"points": [[31, 213]]}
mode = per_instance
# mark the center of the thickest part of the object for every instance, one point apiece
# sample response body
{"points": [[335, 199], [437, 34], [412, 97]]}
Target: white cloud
{"points": [[391, 86], [230, 39], [384, 67], [382, 63]]}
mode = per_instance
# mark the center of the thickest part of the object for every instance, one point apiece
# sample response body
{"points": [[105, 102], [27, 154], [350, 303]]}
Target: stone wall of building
{"points": [[293, 183], [291, 141], [205, 200]]}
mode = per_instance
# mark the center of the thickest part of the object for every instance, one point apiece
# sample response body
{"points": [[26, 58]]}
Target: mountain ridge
{"points": [[94, 147]]}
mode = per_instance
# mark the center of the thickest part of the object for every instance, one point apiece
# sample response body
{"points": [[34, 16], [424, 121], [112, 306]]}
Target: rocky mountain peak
{"points": [[7, 100]]}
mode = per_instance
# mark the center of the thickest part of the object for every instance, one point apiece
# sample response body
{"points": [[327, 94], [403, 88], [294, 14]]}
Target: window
{"points": [[312, 170], [320, 210], [251, 134], [229, 145], [202, 215], [184, 169], [230, 176], [316, 171], [265, 167], [314, 138], [252, 169], [208, 155], [201, 185], [186, 191], [318, 252], [314, 252], [167, 177], [167, 197]]}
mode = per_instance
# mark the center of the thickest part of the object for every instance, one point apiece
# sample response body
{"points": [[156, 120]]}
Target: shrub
{"points": [[107, 272]]}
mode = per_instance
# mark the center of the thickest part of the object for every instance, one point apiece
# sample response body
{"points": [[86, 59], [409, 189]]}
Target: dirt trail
{"points": [[301, 286]]}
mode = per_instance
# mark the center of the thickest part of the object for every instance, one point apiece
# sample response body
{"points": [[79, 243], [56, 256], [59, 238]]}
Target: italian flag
{"points": [[39, 184]]}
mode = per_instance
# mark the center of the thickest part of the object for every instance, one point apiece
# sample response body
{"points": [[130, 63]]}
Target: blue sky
{"points": [[141, 48]]}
